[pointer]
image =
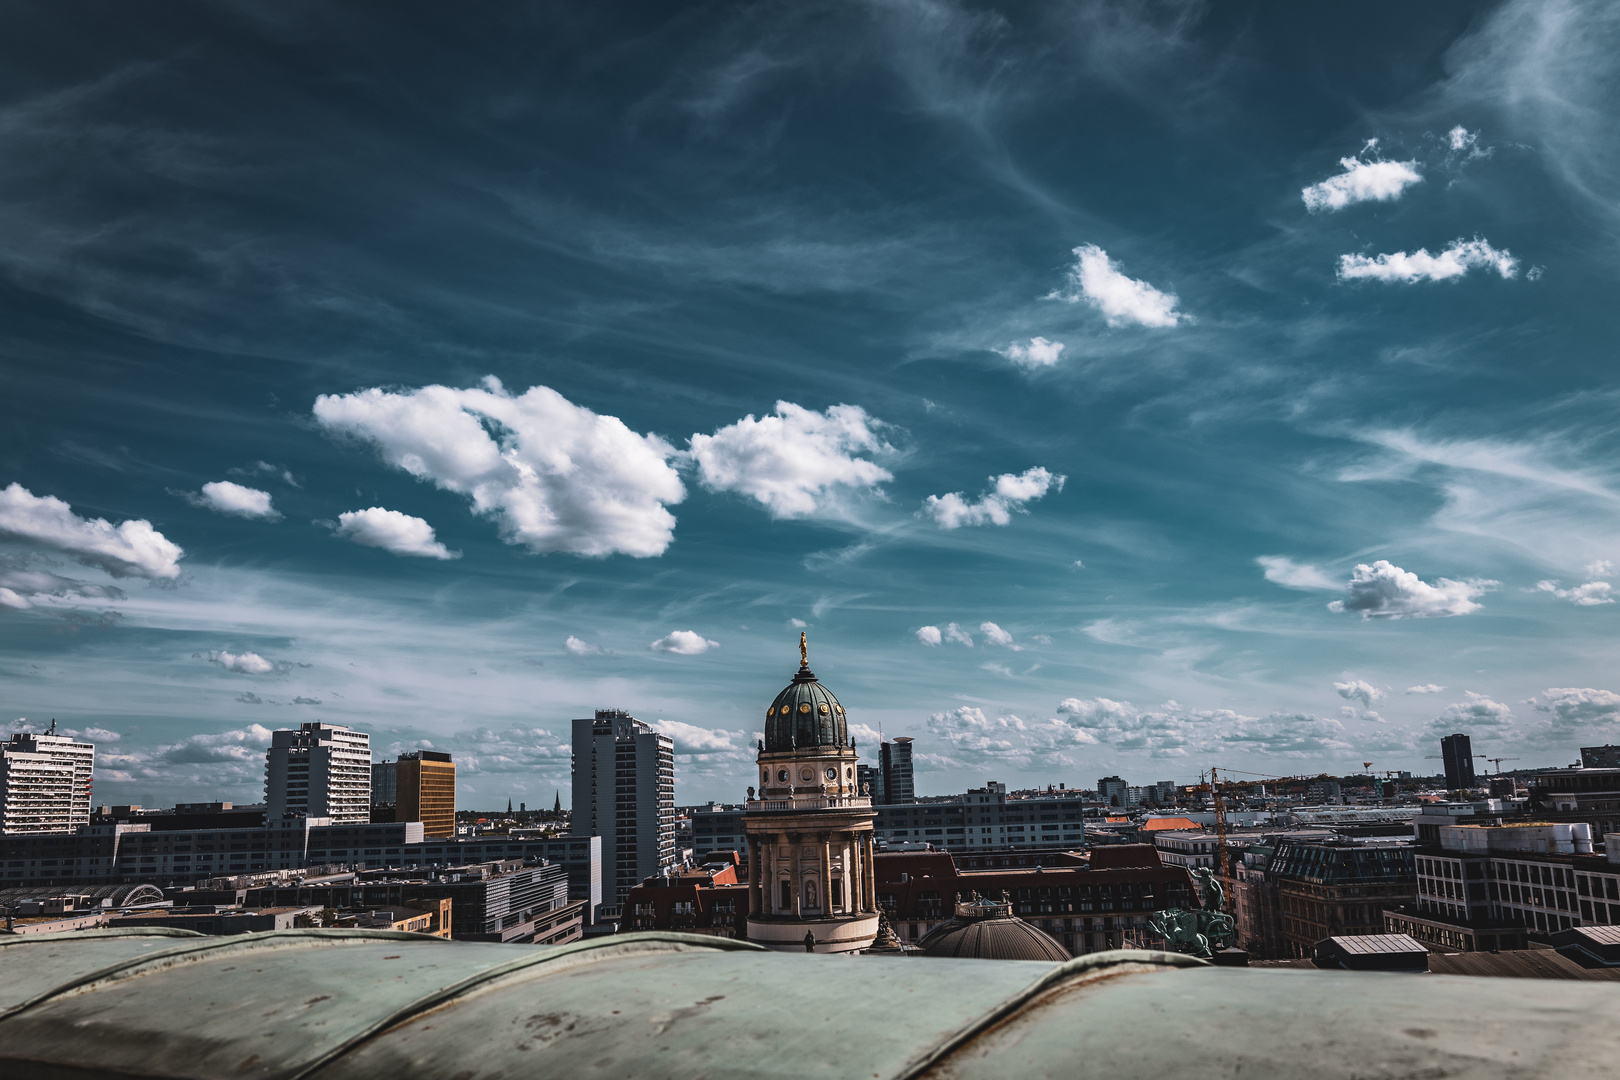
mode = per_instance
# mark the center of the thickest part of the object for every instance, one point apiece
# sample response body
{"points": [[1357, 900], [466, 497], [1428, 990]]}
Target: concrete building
{"points": [[1457, 752], [320, 770], [1483, 887], [1338, 888], [624, 792], [899, 787], [1600, 757], [45, 783], [1086, 904], [985, 819], [809, 832], [1570, 796], [385, 788], [717, 827], [426, 791], [869, 781], [709, 899], [1114, 791]]}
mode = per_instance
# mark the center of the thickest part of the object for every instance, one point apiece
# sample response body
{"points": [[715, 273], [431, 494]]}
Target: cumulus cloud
{"points": [[1476, 710], [23, 585], [582, 648], [929, 635], [1459, 257], [102, 735], [1123, 301], [394, 532], [691, 739], [556, 476], [1039, 353], [1385, 591], [957, 636], [1009, 495], [1281, 570], [306, 701], [1425, 688], [233, 499], [1580, 705], [229, 756], [1361, 181], [1359, 690], [248, 697], [797, 624], [1588, 595], [995, 635], [973, 738], [1173, 730], [683, 643], [795, 461], [130, 549], [247, 663]]}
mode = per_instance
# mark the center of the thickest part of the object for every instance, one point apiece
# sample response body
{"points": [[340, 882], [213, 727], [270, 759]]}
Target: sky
{"points": [[1103, 387]]}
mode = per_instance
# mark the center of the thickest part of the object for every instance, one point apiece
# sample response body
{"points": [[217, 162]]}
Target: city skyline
{"points": [[1104, 389]]}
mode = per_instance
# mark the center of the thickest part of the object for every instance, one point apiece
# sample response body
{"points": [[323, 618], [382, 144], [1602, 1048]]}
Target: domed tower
{"points": [[810, 869]]}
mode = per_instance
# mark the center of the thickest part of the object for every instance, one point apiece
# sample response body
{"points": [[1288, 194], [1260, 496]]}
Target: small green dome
{"points": [[803, 715]]}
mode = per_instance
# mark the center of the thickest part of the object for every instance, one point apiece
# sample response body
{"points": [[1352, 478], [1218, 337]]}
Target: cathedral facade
{"points": [[810, 854]]}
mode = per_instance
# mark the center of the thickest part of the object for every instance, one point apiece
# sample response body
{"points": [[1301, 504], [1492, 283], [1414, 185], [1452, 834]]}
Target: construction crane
{"points": [[1222, 855], [1497, 761]]}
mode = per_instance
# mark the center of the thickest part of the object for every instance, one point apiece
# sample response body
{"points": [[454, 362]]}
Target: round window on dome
{"points": [[832, 773], [806, 775], [849, 774], [840, 709], [824, 709], [804, 706], [770, 712], [781, 775]]}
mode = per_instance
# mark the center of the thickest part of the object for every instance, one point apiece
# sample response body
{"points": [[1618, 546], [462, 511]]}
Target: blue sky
{"points": [[1104, 387]]}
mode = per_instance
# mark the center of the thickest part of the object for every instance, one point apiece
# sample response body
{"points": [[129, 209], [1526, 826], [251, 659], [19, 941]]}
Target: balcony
{"points": [[810, 802]]}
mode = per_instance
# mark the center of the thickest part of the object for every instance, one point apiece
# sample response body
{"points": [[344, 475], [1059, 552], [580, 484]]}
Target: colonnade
{"points": [[856, 864]]}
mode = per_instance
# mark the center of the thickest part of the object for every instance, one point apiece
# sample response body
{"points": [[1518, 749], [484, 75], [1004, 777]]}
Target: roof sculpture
{"points": [[805, 714]]}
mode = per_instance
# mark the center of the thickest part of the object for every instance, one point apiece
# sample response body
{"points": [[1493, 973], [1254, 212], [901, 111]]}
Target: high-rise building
{"points": [[45, 783], [426, 787], [898, 786], [1458, 754], [1113, 791], [319, 770], [810, 878], [385, 784], [1600, 757], [624, 792], [869, 782]]}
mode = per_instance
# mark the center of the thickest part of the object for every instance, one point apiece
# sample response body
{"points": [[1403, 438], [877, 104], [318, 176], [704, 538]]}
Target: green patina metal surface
{"points": [[344, 1005]]}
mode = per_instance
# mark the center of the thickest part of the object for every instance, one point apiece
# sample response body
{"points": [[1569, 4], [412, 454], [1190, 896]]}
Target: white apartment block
{"points": [[45, 783], [319, 771]]}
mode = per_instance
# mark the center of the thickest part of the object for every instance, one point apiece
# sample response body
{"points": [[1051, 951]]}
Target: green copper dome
{"points": [[805, 714]]}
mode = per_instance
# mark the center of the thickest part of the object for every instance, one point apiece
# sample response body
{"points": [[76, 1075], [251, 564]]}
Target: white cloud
{"points": [[248, 663], [974, 738], [1173, 730], [929, 635], [1281, 570], [1573, 705], [555, 475], [792, 462], [392, 531], [582, 648], [1425, 688], [1477, 711], [1461, 138], [1459, 257], [13, 600], [234, 499], [1385, 591], [1096, 279], [1009, 495], [1038, 353], [1588, 595], [1359, 690], [994, 634], [1599, 568], [958, 636], [797, 624], [24, 585], [101, 735], [131, 549], [683, 643], [1361, 181], [690, 739]]}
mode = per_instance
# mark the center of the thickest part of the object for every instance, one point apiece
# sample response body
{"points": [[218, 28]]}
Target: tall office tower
{"points": [[384, 783], [897, 782], [1113, 791], [427, 791], [45, 783], [869, 782], [624, 792], [320, 770], [1458, 754]]}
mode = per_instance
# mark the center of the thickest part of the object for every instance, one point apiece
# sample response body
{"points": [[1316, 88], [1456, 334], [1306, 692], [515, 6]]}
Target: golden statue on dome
{"points": [[804, 650]]}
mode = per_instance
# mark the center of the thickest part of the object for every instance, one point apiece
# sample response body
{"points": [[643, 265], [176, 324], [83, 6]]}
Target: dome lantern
{"points": [[805, 715]]}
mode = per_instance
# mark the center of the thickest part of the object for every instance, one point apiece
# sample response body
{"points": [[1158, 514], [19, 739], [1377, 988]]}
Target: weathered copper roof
{"points": [[987, 930], [805, 714]]}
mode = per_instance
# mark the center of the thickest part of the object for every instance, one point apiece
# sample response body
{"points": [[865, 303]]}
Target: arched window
{"points": [[838, 894]]}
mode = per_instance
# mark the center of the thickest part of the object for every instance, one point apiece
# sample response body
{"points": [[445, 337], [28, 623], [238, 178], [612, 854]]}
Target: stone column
{"points": [[857, 880], [755, 853], [826, 875], [871, 873], [797, 877]]}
